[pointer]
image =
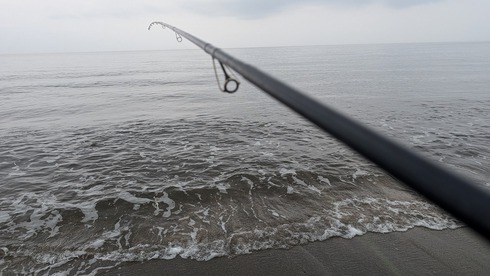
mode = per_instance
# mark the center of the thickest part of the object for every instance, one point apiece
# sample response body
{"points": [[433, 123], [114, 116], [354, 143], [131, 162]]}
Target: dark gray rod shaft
{"points": [[465, 200]]}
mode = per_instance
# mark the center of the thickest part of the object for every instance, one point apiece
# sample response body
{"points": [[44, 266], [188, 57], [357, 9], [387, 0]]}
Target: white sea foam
{"points": [[16, 171], [352, 232], [4, 216], [203, 215], [132, 199], [299, 181], [415, 213], [283, 172], [324, 180], [302, 183], [96, 244], [170, 204], [324, 225], [250, 183], [51, 159], [88, 210], [359, 173], [222, 187]]}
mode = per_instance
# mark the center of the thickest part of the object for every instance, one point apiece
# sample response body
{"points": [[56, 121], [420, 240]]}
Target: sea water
{"points": [[108, 158]]}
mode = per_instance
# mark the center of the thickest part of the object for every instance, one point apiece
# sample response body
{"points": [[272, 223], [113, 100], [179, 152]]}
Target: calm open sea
{"points": [[107, 158]]}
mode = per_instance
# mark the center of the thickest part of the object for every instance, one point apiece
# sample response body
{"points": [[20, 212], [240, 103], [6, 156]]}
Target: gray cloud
{"points": [[57, 26], [253, 9], [84, 10]]}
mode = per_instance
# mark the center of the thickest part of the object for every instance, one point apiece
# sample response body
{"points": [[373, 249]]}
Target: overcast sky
{"points": [[116, 25]]}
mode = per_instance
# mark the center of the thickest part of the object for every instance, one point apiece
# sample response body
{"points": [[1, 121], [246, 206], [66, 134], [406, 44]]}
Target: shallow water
{"points": [[113, 157]]}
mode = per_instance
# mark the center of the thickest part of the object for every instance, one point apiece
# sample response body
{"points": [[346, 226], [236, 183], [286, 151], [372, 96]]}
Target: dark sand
{"points": [[416, 252]]}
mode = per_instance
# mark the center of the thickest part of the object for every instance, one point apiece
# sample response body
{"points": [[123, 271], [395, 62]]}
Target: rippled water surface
{"points": [[107, 158]]}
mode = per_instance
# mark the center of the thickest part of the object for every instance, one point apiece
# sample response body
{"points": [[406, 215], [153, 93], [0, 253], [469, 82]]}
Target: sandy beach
{"points": [[418, 251]]}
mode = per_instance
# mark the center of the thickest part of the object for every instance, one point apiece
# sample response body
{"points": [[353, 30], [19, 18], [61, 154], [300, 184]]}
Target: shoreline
{"points": [[414, 252]]}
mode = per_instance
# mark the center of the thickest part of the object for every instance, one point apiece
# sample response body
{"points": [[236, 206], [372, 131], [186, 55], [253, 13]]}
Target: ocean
{"points": [[113, 157]]}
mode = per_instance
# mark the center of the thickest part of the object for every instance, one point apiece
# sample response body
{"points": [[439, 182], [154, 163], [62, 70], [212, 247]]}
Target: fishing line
{"points": [[460, 197]]}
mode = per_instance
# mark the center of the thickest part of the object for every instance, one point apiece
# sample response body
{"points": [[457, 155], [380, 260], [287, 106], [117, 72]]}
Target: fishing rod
{"points": [[460, 197]]}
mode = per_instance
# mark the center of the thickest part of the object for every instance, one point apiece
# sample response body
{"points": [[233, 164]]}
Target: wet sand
{"points": [[418, 251]]}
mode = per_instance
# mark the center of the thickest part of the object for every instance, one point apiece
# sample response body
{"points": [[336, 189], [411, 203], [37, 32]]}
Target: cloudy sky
{"points": [[33, 26]]}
